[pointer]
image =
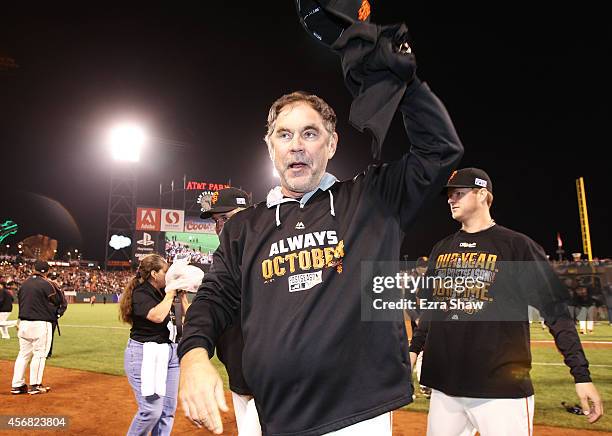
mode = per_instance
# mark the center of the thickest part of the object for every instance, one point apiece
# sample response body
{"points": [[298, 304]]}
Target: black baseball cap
{"points": [[41, 266], [325, 20], [470, 178], [227, 200]]}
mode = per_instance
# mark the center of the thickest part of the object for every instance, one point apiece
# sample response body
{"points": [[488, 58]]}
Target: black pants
{"points": [[54, 324]]}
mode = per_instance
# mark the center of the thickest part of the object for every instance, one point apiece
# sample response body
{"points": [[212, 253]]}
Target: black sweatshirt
{"points": [[38, 300], [290, 274], [492, 359], [6, 300]]}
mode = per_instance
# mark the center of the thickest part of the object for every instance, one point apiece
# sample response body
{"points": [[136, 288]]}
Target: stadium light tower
{"points": [[125, 141]]}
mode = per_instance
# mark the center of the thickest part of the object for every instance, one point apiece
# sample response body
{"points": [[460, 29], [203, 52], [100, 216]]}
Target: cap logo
{"points": [[364, 10], [215, 197], [240, 200], [480, 182], [205, 200]]}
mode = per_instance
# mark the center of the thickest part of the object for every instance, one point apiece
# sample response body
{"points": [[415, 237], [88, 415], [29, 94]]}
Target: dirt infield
{"points": [[99, 404]]}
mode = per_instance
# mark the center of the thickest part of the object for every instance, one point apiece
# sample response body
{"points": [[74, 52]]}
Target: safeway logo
{"points": [[172, 220], [148, 219]]}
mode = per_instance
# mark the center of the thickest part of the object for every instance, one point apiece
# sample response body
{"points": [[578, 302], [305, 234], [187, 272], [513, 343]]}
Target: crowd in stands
{"points": [[72, 278]]}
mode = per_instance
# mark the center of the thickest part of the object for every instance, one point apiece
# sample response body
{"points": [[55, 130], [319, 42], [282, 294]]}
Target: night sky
{"points": [[528, 92]]}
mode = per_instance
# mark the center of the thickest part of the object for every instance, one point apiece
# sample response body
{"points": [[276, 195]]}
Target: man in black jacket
{"points": [[228, 203], [39, 303], [6, 307], [289, 271], [477, 347]]}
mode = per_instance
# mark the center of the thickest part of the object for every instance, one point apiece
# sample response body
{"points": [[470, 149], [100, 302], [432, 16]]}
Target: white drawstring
{"points": [[331, 202], [331, 206]]}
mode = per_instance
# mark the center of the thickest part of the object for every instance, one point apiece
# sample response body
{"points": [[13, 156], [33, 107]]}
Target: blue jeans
{"points": [[155, 414]]}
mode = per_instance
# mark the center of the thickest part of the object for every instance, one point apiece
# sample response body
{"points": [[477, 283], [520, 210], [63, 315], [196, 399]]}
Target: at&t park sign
{"points": [[192, 185]]}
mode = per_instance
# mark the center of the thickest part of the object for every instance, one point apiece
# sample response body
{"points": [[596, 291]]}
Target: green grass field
{"points": [[93, 339], [205, 242]]}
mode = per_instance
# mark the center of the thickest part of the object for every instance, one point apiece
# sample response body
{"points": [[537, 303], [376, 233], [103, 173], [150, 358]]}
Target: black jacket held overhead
{"points": [[290, 273]]}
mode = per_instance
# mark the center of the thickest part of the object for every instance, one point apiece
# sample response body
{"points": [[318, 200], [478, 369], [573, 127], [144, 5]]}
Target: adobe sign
{"points": [[148, 219], [172, 220]]}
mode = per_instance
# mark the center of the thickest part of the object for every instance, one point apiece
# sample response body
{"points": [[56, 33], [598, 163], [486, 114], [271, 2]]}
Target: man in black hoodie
{"points": [[288, 270], [6, 307], [229, 202]]}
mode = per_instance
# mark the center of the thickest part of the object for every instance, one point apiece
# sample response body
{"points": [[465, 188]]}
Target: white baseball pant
{"points": [[247, 419], [34, 344], [4, 324], [463, 416], [381, 425]]}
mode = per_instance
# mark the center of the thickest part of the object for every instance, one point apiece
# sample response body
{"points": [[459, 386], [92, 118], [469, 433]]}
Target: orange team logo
{"points": [[364, 10], [215, 197], [451, 177], [336, 261]]}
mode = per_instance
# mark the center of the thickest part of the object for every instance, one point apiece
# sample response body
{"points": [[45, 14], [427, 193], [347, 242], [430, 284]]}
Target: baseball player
{"points": [[40, 301], [289, 269], [477, 357], [229, 202]]}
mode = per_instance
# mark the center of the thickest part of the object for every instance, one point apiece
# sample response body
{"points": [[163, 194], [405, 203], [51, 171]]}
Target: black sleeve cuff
{"points": [[581, 375], [195, 342]]}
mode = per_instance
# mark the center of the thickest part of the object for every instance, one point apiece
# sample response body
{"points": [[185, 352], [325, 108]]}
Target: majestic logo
{"points": [[146, 240], [299, 226], [468, 244], [241, 201]]}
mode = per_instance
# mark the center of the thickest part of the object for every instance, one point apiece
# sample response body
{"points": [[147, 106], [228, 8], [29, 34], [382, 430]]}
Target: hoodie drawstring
{"points": [[331, 202], [331, 207]]}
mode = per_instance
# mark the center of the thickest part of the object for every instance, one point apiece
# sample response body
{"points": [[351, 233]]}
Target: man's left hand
{"points": [[590, 401]]}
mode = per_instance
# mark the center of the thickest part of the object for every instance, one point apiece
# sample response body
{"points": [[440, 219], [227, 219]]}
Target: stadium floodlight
{"points": [[126, 140]]}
